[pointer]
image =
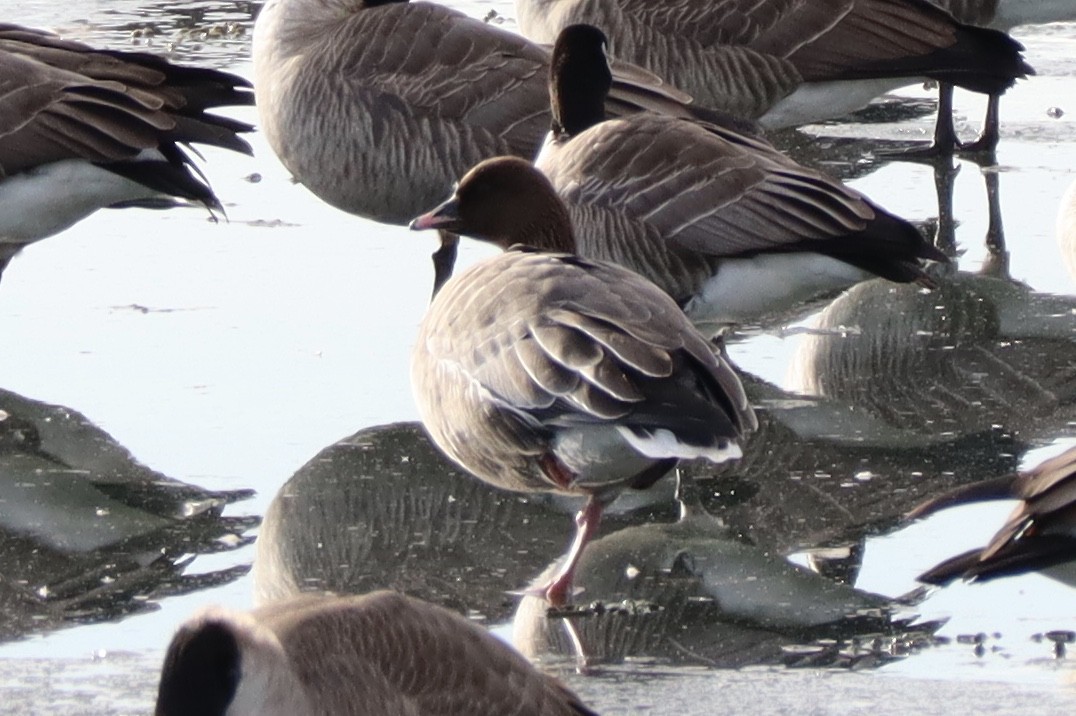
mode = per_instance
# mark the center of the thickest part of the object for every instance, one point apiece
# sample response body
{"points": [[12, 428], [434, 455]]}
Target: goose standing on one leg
{"points": [[729, 227], [789, 63], [380, 653], [83, 129], [549, 372], [379, 106]]}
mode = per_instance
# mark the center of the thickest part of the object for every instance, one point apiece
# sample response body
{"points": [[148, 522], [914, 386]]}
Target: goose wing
{"points": [[548, 340], [179, 94], [49, 114], [704, 188]]}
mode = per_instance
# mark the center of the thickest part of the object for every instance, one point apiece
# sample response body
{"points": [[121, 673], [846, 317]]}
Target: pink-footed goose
{"points": [[1040, 534], [380, 653], [729, 227], [549, 372], [379, 106], [83, 129], [789, 63], [1001, 15]]}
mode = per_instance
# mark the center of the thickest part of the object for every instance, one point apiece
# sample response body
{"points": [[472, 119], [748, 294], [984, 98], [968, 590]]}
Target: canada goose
{"points": [[83, 129], [379, 106], [1040, 534], [1001, 15], [727, 225], [548, 372], [380, 653], [786, 64]]}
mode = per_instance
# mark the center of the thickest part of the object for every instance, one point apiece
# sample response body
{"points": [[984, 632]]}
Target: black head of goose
{"points": [[721, 220], [548, 372], [380, 653], [82, 129], [789, 63], [1040, 534]]}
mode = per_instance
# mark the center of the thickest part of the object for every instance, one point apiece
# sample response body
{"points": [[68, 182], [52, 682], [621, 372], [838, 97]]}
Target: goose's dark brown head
{"points": [[504, 201]]}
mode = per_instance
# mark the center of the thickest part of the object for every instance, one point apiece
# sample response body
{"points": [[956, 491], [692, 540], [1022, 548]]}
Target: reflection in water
{"points": [[1040, 534], [87, 532], [691, 593], [384, 509], [976, 354], [208, 32], [819, 473]]}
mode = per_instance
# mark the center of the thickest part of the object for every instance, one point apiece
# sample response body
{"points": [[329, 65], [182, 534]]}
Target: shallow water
{"points": [[229, 355]]}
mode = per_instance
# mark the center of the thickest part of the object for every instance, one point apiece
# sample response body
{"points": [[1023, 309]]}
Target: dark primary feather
{"points": [[64, 100]]}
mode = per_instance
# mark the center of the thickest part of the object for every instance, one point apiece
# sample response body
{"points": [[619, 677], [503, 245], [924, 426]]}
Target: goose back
{"points": [[744, 56], [377, 653], [526, 348]]}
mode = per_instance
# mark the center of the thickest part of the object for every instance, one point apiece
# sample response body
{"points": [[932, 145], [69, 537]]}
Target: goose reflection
{"points": [[383, 509], [1040, 534], [978, 352], [692, 593], [87, 532], [820, 475]]}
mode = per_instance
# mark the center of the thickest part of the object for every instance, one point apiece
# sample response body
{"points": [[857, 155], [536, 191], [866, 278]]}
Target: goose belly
{"points": [[749, 289], [48, 199], [818, 101]]}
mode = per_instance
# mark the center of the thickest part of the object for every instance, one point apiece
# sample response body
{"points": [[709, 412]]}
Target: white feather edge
{"points": [[664, 444]]}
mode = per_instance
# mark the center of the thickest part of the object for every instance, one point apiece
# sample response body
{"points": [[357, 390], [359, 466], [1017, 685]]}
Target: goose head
{"points": [[504, 201], [224, 662]]}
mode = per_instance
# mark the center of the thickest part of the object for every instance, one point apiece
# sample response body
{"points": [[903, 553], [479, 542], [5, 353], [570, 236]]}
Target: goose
{"points": [[379, 653], [726, 224], [379, 106], [789, 63], [1040, 534], [83, 129], [1003, 15], [549, 372]]}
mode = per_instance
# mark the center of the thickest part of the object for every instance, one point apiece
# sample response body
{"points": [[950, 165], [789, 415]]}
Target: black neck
{"points": [[579, 81]]}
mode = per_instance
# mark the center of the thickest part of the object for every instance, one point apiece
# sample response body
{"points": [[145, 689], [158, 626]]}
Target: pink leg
{"points": [[586, 525]]}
